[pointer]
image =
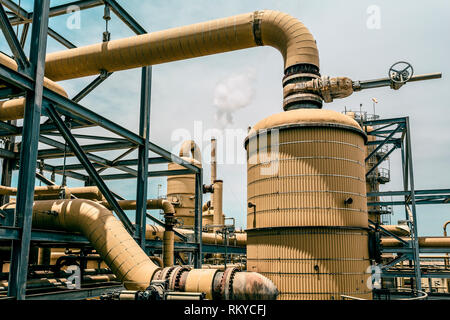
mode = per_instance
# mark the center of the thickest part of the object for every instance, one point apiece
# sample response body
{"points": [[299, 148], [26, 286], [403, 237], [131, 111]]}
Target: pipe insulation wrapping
{"points": [[267, 27], [14, 109]]}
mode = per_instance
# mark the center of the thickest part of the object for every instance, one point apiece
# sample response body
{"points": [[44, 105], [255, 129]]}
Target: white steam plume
{"points": [[233, 93]]}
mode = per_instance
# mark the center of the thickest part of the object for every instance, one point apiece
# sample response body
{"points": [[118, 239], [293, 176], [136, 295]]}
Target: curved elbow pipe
{"points": [[258, 28], [445, 227], [104, 231], [14, 109], [189, 149], [117, 248]]}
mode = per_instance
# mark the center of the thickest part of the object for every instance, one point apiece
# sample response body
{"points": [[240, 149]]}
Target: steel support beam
{"points": [[384, 141], [127, 162], [413, 224], [89, 168], [58, 10], [59, 153], [28, 154], [55, 35], [381, 160], [70, 174], [125, 17], [142, 177], [198, 255], [91, 86], [13, 42], [7, 166], [161, 173]]}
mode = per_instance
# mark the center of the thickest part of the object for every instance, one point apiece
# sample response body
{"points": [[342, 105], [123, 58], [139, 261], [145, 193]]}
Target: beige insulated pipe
{"points": [[157, 233], [105, 232], [189, 149], [424, 242], [49, 192], [213, 165], [113, 243], [168, 248], [218, 204], [168, 234], [162, 204], [14, 109], [258, 28]]}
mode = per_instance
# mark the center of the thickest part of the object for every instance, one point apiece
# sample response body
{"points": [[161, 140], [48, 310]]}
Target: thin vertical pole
{"points": [[198, 219], [413, 209], [28, 152], [142, 177]]}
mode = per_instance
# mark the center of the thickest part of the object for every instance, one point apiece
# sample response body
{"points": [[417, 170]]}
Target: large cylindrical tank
{"points": [[307, 225]]}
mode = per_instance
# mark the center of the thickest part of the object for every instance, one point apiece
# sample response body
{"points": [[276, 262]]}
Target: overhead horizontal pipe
{"points": [[14, 109], [259, 28]]}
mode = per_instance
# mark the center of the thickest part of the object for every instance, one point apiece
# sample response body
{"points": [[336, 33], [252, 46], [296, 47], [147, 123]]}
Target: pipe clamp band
{"points": [[257, 28]]}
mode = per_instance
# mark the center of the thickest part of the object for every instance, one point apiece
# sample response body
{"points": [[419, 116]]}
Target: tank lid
{"points": [[306, 117], [299, 116]]}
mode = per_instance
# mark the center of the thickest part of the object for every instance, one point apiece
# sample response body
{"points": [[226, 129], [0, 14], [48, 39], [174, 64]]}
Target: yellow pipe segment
{"points": [[14, 109], [218, 204], [266, 27], [424, 242], [157, 233], [91, 193], [106, 233], [168, 248], [118, 249]]}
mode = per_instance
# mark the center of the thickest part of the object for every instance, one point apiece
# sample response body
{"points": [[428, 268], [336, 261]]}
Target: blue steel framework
{"points": [[28, 81], [395, 133]]}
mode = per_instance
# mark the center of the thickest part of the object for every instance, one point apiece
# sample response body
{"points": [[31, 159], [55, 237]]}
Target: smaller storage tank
{"points": [[181, 188]]}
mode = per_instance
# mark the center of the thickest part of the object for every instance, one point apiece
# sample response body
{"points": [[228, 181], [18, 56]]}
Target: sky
{"points": [[356, 38]]}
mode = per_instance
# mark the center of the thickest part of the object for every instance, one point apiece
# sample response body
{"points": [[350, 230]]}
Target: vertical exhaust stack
{"points": [[217, 195], [213, 163], [218, 218]]}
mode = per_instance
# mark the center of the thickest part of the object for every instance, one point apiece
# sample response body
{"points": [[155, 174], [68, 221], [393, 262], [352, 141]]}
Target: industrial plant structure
{"points": [[315, 216]]}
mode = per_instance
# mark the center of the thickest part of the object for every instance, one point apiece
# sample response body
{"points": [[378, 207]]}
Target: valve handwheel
{"points": [[400, 72]]}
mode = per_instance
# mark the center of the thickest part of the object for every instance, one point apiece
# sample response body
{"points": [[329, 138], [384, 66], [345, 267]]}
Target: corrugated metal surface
{"points": [[311, 263], [299, 178], [181, 191], [316, 169]]}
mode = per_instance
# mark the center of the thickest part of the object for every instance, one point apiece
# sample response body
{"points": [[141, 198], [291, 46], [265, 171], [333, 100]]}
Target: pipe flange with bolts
{"points": [[226, 284], [174, 279]]}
